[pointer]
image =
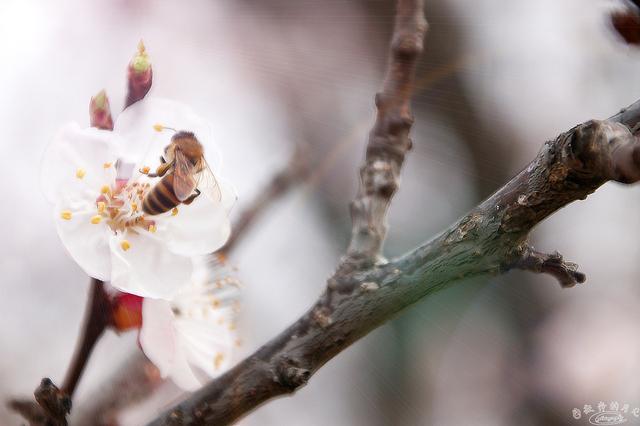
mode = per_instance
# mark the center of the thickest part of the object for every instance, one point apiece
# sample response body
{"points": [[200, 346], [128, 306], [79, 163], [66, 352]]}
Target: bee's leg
{"points": [[161, 170], [192, 197]]}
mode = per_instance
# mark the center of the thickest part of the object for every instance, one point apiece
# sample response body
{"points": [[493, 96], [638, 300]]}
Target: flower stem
{"points": [[97, 319]]}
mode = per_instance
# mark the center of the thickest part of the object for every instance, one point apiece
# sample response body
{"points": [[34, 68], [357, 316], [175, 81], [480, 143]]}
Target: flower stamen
{"points": [[80, 173], [66, 214], [125, 245], [217, 360], [96, 219]]}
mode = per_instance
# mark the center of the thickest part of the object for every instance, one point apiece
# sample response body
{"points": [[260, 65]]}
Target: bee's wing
{"points": [[183, 181], [208, 183]]}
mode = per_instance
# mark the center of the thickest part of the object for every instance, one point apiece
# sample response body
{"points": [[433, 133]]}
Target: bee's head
{"points": [[187, 143], [182, 134]]}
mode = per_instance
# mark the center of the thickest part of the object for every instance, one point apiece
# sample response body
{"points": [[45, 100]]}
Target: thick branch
{"points": [[488, 240]]}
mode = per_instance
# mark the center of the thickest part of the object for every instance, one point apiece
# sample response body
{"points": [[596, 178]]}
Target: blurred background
{"points": [[497, 79]]}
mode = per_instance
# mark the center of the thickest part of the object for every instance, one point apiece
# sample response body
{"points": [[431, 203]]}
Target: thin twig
{"points": [[295, 172], [50, 408], [96, 320], [389, 139], [553, 264]]}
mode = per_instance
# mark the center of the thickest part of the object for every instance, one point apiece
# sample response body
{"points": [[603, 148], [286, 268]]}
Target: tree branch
{"points": [[565, 272], [388, 140], [491, 239], [50, 408], [96, 320]]}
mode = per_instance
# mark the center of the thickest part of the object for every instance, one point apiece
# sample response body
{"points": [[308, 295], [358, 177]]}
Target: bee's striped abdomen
{"points": [[161, 197]]}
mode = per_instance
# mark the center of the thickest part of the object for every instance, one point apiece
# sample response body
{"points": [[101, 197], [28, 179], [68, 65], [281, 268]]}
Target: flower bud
{"points": [[100, 111], [126, 311], [627, 25], [139, 75]]}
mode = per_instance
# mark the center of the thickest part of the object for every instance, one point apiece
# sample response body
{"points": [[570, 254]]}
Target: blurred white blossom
{"points": [[192, 337]]}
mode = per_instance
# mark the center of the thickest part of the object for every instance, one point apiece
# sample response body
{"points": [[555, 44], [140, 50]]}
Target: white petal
{"points": [[182, 373], [147, 268], [204, 341], [88, 244], [73, 149], [229, 196], [160, 343], [145, 145], [157, 335], [199, 228]]}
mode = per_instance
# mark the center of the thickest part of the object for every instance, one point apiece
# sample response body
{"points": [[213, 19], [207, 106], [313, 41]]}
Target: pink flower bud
{"points": [[140, 76], [126, 311], [100, 111]]}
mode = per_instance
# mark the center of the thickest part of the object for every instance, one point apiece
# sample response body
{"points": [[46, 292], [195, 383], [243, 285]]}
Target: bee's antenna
{"points": [[160, 127]]}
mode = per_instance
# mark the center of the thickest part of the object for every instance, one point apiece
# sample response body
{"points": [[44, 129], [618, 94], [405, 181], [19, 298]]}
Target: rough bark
{"points": [[366, 291]]}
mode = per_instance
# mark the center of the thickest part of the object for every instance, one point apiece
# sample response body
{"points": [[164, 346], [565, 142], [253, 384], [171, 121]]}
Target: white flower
{"points": [[192, 337], [98, 209]]}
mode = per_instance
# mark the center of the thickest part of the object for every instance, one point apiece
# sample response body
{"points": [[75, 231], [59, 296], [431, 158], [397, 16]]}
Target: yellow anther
{"points": [[152, 229], [107, 165], [125, 245], [158, 127], [232, 326], [66, 214], [145, 170], [217, 361], [134, 207], [174, 211], [101, 206], [215, 303], [96, 219], [105, 189], [80, 173]]}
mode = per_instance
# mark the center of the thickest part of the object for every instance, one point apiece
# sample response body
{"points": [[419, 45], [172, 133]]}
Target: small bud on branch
{"points": [[100, 111], [139, 75]]}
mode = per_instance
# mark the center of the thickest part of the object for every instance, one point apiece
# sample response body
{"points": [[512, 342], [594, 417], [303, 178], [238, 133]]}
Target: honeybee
{"points": [[182, 169]]}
